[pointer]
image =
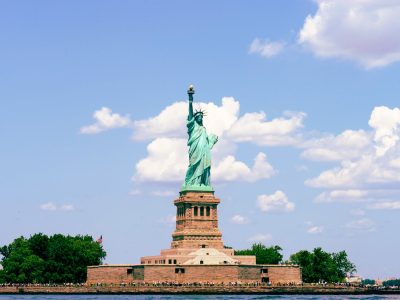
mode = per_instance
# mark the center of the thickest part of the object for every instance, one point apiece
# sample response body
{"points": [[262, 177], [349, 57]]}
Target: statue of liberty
{"points": [[200, 144]]}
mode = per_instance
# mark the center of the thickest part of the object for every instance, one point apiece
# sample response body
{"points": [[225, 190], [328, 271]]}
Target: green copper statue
{"points": [[200, 144]]}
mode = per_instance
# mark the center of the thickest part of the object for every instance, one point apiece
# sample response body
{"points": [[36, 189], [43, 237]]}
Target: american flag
{"points": [[100, 240]]}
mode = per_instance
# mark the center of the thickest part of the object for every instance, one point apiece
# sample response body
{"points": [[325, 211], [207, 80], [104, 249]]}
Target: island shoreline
{"points": [[176, 290]]}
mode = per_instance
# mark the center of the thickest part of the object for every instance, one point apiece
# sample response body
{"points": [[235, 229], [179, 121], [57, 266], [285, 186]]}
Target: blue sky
{"points": [[303, 95]]}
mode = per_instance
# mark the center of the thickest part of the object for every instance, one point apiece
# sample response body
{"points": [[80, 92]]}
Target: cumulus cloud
{"points": [[266, 49], [238, 219], [67, 207], [365, 31], [357, 212], [386, 125], [385, 205], [275, 202], [229, 169], [224, 121], [361, 225], [359, 195], [342, 195], [50, 206], [376, 167], [260, 238], [167, 161], [171, 121], [167, 157], [253, 127], [315, 229], [105, 120], [347, 145]]}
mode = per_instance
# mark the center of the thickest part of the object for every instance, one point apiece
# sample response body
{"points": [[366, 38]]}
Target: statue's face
{"points": [[199, 118]]}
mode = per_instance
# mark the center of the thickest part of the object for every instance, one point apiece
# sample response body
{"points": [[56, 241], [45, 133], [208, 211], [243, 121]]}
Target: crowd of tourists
{"points": [[42, 284], [193, 284], [211, 284]]}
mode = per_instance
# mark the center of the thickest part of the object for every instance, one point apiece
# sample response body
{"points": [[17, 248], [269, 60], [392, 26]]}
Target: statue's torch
{"points": [[190, 92]]}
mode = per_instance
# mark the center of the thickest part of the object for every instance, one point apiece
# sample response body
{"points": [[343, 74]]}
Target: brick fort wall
{"points": [[194, 273]]}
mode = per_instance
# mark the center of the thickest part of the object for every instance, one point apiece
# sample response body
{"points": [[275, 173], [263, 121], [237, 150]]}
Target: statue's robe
{"points": [[200, 144]]}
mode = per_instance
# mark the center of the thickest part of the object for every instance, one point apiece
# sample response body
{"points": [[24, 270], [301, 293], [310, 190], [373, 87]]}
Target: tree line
{"points": [[61, 259], [387, 283], [49, 259], [317, 265]]}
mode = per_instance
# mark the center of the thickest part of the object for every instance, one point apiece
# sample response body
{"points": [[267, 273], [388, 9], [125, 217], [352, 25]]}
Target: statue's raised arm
{"points": [[200, 144], [190, 94]]}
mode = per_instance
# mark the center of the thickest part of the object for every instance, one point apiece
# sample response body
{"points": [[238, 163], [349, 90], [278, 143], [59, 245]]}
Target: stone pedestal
{"points": [[197, 221], [197, 238]]}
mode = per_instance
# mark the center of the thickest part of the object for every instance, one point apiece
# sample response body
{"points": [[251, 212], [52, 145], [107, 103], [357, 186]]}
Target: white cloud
{"points": [[252, 127], [386, 123], [171, 122], [342, 195], [67, 207], [365, 31], [224, 121], [135, 192], [315, 229], [385, 205], [361, 225], [229, 169], [105, 120], [48, 206], [302, 168], [167, 161], [376, 167], [266, 48], [168, 123], [164, 193], [167, 157], [238, 219], [347, 145], [170, 219], [395, 163], [260, 237], [348, 175], [369, 196], [275, 202], [357, 212]]}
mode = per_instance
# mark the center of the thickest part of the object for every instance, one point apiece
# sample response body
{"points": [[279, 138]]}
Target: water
{"points": [[197, 297]]}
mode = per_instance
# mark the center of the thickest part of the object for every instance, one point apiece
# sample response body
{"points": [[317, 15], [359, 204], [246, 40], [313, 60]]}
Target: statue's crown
{"points": [[200, 111]]}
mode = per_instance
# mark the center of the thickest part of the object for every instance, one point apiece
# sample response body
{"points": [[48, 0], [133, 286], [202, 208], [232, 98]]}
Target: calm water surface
{"points": [[193, 297]]}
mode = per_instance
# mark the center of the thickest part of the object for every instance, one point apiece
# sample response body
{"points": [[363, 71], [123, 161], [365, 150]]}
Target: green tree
{"points": [[5, 251], [264, 255], [42, 259], [39, 243], [304, 259], [368, 281], [323, 266], [391, 282], [343, 264], [20, 264]]}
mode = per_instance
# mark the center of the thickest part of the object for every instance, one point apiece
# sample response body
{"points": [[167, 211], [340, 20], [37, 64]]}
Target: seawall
{"points": [[193, 290]]}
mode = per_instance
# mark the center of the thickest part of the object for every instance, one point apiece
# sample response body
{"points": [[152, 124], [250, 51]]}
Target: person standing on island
{"points": [[200, 145]]}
